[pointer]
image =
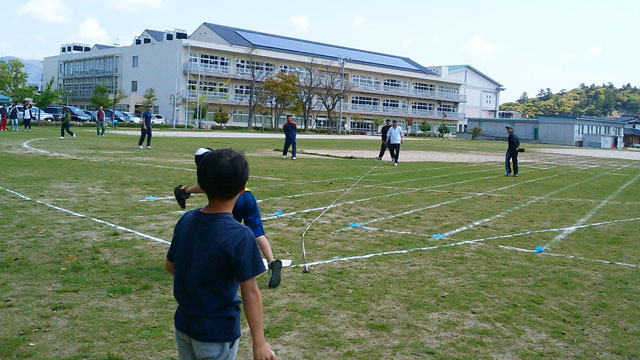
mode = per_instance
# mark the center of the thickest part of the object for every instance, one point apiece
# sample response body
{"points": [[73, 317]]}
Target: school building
{"points": [[215, 64]]}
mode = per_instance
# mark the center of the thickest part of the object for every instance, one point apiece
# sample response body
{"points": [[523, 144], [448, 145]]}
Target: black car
{"points": [[77, 114], [118, 115]]}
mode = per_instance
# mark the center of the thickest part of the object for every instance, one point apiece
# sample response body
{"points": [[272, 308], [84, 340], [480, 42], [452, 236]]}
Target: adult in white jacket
{"points": [[395, 137]]}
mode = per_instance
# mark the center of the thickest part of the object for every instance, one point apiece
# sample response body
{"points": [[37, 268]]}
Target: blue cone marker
{"points": [[538, 249], [354, 225], [151, 198], [437, 236], [278, 213]]}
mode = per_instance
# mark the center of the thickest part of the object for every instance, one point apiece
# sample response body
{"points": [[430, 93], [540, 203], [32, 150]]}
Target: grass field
{"points": [[74, 288]]}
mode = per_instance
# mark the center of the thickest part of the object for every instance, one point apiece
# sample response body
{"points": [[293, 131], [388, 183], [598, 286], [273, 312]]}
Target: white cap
{"points": [[202, 151]]}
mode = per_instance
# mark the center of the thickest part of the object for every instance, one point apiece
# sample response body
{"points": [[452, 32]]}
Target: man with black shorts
{"points": [[512, 152], [383, 132]]}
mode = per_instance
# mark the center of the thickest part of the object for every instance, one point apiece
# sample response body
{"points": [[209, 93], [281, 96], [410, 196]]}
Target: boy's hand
{"points": [[181, 196], [263, 352]]}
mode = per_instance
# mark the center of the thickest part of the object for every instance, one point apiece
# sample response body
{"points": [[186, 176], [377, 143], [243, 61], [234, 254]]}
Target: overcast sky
{"points": [[523, 45]]}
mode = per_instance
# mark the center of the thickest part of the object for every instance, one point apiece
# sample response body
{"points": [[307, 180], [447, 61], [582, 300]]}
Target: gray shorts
{"points": [[192, 349]]}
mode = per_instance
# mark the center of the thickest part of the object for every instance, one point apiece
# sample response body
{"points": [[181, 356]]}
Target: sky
{"points": [[524, 45]]}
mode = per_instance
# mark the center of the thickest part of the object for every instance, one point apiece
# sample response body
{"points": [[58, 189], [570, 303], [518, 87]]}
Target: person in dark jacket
{"points": [[289, 129], [66, 123], [100, 121], [27, 116], [145, 128], [512, 152], [13, 116], [383, 132]]}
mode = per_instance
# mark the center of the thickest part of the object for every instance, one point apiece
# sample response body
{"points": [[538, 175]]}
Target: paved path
{"points": [[246, 135], [599, 153]]}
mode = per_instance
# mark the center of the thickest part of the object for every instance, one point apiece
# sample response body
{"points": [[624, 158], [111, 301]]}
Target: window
{"points": [[424, 88], [134, 86], [241, 92], [214, 63], [446, 108], [421, 107], [365, 82], [361, 125], [394, 85], [365, 103], [245, 66], [134, 62], [449, 92], [286, 69], [394, 106]]}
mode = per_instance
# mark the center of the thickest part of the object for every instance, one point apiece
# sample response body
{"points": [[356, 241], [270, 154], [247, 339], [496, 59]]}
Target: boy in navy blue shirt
{"points": [[211, 255], [245, 209]]}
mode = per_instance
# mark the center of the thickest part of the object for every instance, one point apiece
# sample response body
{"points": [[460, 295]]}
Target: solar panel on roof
{"points": [[324, 50]]}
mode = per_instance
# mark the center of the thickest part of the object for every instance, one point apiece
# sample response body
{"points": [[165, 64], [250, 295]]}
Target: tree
{"points": [[116, 97], [443, 129], [257, 74], [376, 123], [280, 94], [331, 91], [425, 127], [308, 88], [221, 116], [475, 132], [524, 97], [13, 78], [46, 97], [149, 99], [99, 97]]}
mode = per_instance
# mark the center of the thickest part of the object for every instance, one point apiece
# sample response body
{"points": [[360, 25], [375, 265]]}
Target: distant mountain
{"points": [[32, 67]]}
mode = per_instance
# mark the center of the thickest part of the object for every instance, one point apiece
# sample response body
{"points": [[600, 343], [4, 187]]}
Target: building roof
{"points": [[454, 67], [101, 46], [155, 34], [248, 38], [631, 131], [505, 120], [582, 118]]}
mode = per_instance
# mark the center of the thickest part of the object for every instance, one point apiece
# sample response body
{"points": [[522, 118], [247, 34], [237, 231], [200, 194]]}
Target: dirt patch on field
{"points": [[414, 156]]}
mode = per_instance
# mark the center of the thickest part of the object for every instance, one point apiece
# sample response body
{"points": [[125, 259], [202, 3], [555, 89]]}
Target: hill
{"points": [[605, 100]]}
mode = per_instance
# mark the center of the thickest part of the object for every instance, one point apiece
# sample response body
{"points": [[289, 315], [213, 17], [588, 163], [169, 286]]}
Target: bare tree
{"points": [[257, 72], [331, 91], [308, 88]]}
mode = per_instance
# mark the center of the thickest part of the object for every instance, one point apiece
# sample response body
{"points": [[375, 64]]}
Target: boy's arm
{"points": [[169, 266], [252, 302], [193, 189]]}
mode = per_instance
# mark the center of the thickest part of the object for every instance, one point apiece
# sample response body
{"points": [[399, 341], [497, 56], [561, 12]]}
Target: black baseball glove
{"points": [[181, 195]]}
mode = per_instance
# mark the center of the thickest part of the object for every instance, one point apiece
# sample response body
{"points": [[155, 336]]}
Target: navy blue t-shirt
{"points": [[246, 208], [146, 117], [211, 255]]}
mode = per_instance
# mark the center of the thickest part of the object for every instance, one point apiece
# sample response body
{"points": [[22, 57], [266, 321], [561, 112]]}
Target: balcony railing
{"points": [[405, 91], [223, 69], [365, 107]]}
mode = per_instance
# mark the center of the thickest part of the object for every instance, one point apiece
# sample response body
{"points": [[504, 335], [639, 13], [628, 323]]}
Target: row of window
{"points": [[242, 66], [393, 105], [82, 88], [88, 66], [599, 130]]}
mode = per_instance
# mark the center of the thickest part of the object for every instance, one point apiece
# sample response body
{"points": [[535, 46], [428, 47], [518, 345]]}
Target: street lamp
{"points": [[341, 59]]}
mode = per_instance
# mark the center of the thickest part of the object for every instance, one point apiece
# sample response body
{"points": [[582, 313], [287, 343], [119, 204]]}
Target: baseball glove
{"points": [[181, 196]]}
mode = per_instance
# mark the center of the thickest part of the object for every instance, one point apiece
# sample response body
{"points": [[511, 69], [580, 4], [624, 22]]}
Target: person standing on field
{"points": [[395, 137], [26, 117], [512, 152], [145, 129], [4, 115], [383, 132], [100, 121], [289, 129], [66, 123], [13, 116]]}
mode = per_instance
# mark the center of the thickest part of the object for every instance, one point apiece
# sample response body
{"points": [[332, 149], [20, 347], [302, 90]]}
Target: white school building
{"points": [[213, 65]]}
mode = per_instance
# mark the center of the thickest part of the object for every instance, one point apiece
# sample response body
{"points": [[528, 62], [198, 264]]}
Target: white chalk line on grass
{"points": [[457, 243], [149, 237], [26, 145], [588, 216], [607, 262], [408, 212], [534, 200]]}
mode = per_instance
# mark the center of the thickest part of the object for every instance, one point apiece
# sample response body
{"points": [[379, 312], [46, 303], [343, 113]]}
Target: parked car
{"points": [[157, 119], [131, 117], [118, 115], [94, 116], [43, 116], [77, 114]]}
